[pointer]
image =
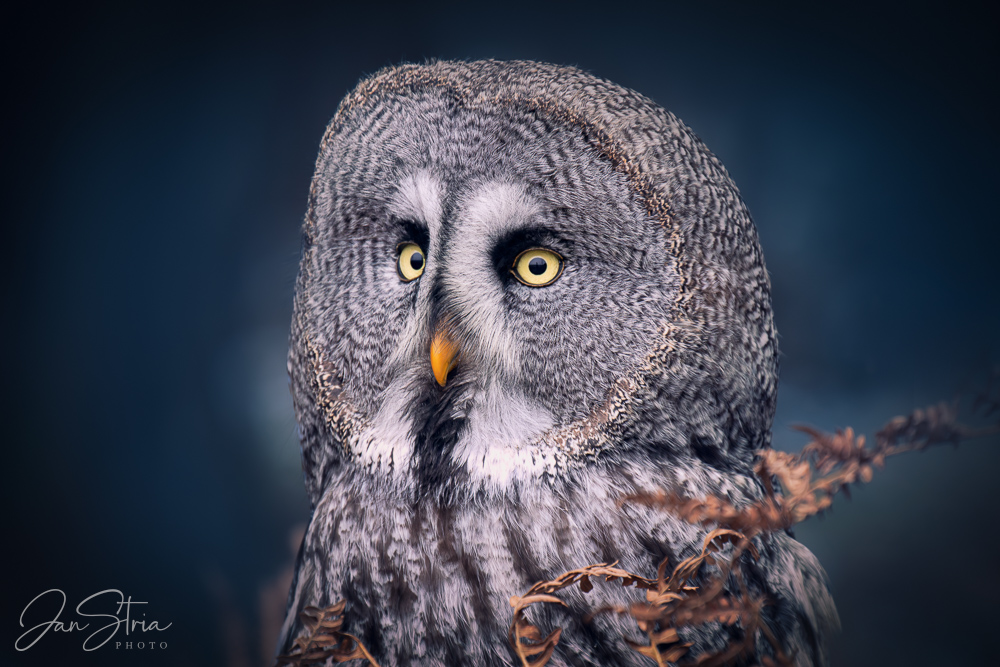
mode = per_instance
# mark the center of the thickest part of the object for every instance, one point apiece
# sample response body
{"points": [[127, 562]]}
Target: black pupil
{"points": [[537, 266], [417, 260]]}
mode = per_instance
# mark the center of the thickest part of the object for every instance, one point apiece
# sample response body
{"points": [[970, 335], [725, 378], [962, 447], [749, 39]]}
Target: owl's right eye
{"points": [[411, 262]]}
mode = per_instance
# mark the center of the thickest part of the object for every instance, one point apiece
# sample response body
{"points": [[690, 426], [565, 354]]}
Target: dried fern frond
{"points": [[827, 465], [526, 639], [323, 640], [807, 483], [672, 602], [532, 649]]}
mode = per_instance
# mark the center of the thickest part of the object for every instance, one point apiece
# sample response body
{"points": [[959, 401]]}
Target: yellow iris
{"points": [[411, 262], [537, 267]]}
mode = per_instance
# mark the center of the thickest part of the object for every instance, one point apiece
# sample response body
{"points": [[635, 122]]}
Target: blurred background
{"points": [[156, 161]]}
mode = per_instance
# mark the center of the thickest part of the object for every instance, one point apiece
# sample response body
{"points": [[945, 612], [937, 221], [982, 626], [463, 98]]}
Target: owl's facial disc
{"points": [[537, 255], [503, 328]]}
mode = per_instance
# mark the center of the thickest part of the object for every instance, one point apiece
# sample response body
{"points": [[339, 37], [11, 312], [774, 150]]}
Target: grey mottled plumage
{"points": [[650, 363]]}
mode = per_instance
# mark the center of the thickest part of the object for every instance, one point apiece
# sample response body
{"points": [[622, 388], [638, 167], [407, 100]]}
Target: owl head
{"points": [[514, 270]]}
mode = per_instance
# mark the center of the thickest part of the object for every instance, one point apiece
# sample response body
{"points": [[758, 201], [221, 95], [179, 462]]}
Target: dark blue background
{"points": [[156, 162]]}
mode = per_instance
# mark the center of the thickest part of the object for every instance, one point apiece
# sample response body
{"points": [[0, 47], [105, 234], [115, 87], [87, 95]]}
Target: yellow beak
{"points": [[444, 354]]}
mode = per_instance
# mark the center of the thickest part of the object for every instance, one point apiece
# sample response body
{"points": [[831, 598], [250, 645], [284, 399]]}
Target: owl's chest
{"points": [[423, 556], [429, 583], [424, 564]]}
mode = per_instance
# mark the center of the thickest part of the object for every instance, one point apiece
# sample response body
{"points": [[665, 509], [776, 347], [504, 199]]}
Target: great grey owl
{"points": [[524, 292]]}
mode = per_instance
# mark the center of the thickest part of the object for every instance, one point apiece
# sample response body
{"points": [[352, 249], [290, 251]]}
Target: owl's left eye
{"points": [[411, 262], [537, 267]]}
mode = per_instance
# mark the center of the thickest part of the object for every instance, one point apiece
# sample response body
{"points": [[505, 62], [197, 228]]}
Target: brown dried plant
{"points": [[671, 602], [825, 466], [806, 484], [323, 640]]}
